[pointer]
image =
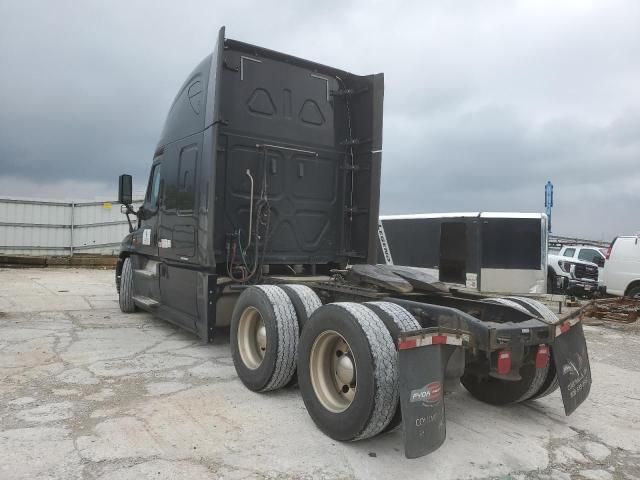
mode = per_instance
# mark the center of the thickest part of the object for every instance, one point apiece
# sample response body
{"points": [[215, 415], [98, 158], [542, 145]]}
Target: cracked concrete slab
{"points": [[89, 392], [39, 452], [161, 470]]}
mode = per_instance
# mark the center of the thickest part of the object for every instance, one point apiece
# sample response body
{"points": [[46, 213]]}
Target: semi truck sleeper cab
{"points": [[261, 213]]}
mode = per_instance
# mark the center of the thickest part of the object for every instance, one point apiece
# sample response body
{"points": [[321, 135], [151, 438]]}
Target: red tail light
{"points": [[608, 253], [542, 356], [504, 362]]}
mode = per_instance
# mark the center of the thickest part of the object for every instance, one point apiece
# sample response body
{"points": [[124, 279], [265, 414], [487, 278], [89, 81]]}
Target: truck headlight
{"points": [[566, 266]]}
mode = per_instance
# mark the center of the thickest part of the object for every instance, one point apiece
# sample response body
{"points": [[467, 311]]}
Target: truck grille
{"points": [[587, 272]]}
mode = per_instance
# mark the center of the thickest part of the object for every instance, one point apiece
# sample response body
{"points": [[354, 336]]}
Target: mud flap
{"points": [[421, 372], [572, 366]]}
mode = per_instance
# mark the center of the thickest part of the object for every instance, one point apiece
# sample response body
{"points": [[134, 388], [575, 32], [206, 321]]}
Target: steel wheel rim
{"points": [[252, 338], [333, 371]]}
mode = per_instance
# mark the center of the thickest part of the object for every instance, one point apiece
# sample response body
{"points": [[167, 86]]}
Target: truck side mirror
{"points": [[125, 190]]}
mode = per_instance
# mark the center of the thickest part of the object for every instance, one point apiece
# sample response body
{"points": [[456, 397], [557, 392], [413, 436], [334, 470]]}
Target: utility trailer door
{"points": [[453, 252]]}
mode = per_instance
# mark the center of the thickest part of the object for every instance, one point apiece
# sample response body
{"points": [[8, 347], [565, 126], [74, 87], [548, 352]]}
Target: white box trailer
{"points": [[491, 252]]}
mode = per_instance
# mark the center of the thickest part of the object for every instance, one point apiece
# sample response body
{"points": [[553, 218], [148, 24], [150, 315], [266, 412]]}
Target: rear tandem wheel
{"points": [[397, 320], [347, 371], [264, 338], [535, 382]]}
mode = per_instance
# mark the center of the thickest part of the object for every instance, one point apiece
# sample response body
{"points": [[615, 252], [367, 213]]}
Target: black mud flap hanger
{"points": [[423, 356], [571, 360]]}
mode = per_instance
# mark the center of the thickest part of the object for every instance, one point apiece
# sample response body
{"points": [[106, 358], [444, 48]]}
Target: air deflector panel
{"points": [[287, 121]]}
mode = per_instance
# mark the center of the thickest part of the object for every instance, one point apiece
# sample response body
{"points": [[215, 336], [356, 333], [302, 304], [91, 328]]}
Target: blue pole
{"points": [[548, 201]]}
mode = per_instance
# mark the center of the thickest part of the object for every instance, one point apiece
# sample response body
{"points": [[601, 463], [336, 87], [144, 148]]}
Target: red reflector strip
{"points": [[542, 356], [431, 339], [504, 362], [562, 328], [407, 344], [565, 326]]}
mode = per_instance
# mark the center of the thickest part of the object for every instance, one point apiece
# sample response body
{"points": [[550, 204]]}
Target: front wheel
{"points": [[125, 292]]}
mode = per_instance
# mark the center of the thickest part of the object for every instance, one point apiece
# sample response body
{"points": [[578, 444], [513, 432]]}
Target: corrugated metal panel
{"points": [[30, 227]]}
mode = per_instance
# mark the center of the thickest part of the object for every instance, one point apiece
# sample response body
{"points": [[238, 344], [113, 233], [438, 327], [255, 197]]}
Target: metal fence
{"points": [[32, 227]]}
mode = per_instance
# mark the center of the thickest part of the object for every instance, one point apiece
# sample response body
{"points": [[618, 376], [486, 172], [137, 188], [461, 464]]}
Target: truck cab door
{"points": [[177, 227], [145, 265], [149, 213]]}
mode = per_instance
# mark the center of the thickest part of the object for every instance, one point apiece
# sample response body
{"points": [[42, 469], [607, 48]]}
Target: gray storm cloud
{"points": [[484, 101]]}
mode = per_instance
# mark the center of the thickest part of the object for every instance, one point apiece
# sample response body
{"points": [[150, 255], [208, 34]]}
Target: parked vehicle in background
{"points": [[588, 253], [622, 268], [572, 276]]}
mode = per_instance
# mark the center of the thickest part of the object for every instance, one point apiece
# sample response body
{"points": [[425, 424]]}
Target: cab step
{"points": [[145, 273], [145, 301]]}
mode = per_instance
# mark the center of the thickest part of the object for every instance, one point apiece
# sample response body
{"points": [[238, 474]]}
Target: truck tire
{"points": [[550, 383], [496, 391], [551, 282], [634, 292], [503, 392], [397, 320], [125, 293], [347, 371], [538, 309], [305, 301], [509, 303], [264, 338]]}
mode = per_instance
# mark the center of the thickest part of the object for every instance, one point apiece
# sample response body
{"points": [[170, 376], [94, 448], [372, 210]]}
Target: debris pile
{"points": [[622, 309]]}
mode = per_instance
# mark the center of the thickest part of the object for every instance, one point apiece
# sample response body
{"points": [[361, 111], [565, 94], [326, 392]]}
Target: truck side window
{"points": [[569, 252], [591, 255], [186, 180], [154, 187]]}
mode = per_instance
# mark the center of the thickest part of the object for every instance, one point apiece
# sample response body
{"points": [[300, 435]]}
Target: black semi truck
{"points": [[261, 213]]}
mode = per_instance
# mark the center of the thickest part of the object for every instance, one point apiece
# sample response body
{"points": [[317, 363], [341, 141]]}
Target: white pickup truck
{"points": [[571, 275], [587, 253]]}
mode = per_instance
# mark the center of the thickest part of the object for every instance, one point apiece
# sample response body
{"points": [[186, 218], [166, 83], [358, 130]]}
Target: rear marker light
{"points": [[542, 356], [504, 362]]}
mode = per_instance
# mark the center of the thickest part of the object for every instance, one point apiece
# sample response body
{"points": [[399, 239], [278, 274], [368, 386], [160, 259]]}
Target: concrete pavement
{"points": [[89, 392]]}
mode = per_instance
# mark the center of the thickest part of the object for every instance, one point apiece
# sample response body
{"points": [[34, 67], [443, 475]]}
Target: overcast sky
{"points": [[484, 100]]}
